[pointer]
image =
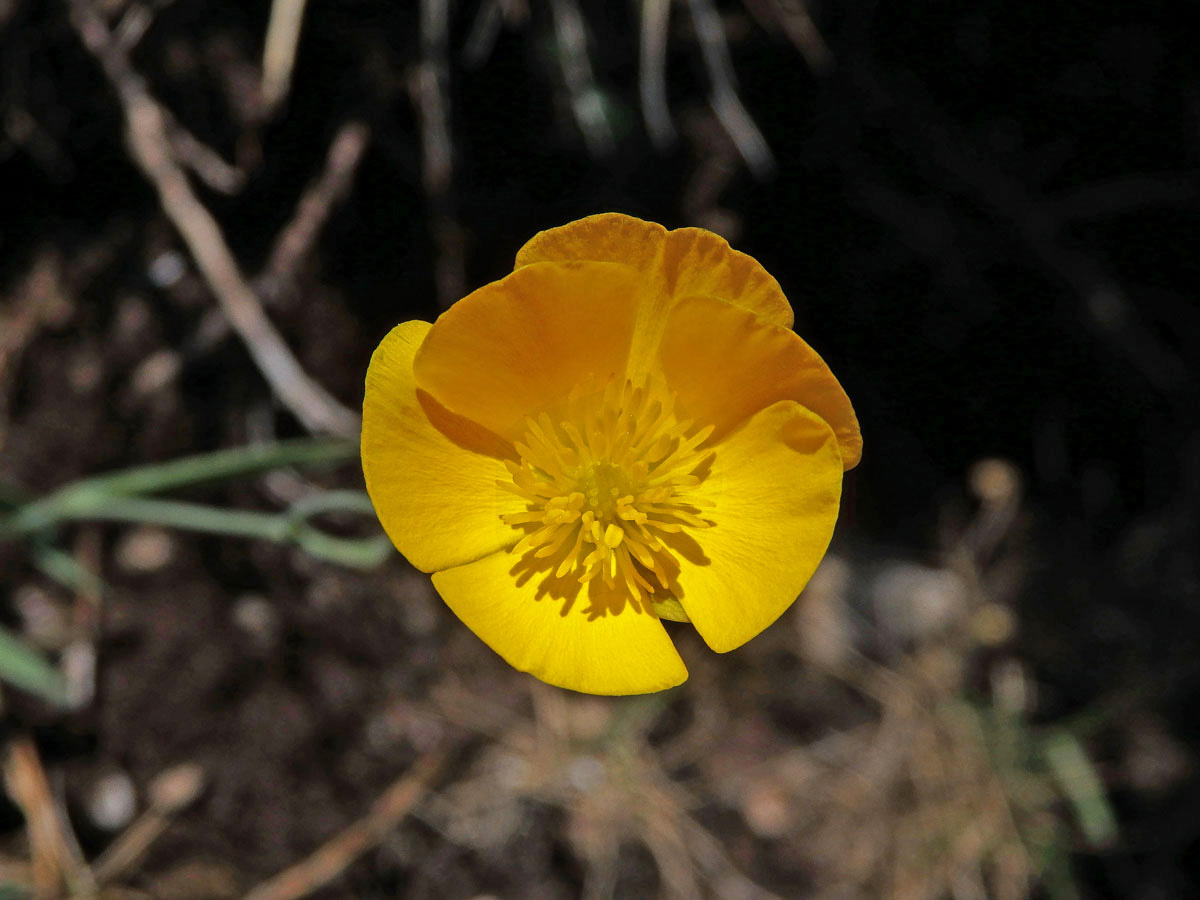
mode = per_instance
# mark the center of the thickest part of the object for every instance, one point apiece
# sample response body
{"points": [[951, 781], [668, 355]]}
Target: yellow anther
{"points": [[613, 535], [614, 472]]}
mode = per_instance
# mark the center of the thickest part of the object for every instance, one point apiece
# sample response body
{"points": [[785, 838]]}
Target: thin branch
{"points": [[56, 863], [481, 39], [429, 87], [299, 236], [793, 17], [279, 51], [146, 123], [329, 860], [724, 99], [170, 793], [570, 34], [652, 72], [202, 159]]}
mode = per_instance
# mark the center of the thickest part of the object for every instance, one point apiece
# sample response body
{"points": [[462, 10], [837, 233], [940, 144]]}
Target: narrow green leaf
{"points": [[24, 667], [1081, 785]]}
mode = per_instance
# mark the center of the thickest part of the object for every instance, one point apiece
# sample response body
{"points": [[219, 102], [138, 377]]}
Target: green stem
{"points": [[184, 516], [83, 499], [288, 527]]}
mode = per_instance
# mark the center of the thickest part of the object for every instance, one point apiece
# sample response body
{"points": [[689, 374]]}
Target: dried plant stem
{"points": [[429, 88], [170, 794], [724, 98], [331, 858], [56, 864], [279, 50], [794, 18], [203, 160], [570, 34], [149, 144], [652, 71], [298, 237]]}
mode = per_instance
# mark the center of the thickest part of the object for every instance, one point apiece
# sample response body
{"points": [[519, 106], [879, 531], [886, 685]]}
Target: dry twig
{"points": [[148, 139], [279, 51], [170, 793], [652, 71], [203, 160], [570, 33], [298, 237], [726, 104], [793, 17], [489, 19], [56, 863], [329, 860], [296, 240], [429, 86]]}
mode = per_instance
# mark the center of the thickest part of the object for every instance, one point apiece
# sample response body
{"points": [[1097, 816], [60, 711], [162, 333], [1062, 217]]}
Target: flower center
{"points": [[606, 485]]}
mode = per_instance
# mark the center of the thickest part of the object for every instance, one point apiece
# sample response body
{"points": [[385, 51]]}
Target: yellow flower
{"points": [[623, 429]]}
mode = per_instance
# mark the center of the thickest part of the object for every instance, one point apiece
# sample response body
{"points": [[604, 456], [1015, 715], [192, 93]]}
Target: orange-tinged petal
{"points": [[434, 488], [676, 263], [726, 364], [605, 237], [775, 487], [585, 638], [699, 262], [518, 346]]}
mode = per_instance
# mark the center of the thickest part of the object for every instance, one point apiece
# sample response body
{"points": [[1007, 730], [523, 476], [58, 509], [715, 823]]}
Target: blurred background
{"points": [[218, 681]]}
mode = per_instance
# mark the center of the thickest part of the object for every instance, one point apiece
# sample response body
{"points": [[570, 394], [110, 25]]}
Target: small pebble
{"points": [[255, 615], [145, 549], [166, 269], [112, 801]]}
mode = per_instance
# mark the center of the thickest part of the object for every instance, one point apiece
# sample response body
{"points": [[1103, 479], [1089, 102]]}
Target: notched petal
{"points": [[726, 364], [581, 637], [775, 489], [675, 263]]}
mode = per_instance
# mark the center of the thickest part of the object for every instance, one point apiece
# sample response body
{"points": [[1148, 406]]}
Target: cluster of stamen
{"points": [[604, 486]]}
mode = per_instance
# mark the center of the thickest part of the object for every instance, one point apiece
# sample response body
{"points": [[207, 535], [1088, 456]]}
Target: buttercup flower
{"points": [[624, 429]]}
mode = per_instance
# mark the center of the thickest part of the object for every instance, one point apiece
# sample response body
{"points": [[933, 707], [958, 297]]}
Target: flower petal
{"points": [[678, 263], [775, 485], [700, 262], [604, 237], [726, 364], [519, 345], [434, 487], [582, 638]]}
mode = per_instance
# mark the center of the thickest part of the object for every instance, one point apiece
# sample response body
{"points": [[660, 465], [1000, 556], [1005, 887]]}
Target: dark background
{"points": [[984, 215]]}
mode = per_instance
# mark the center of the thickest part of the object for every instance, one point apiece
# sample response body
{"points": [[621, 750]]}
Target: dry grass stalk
{"points": [[299, 236], [726, 105], [329, 860], [149, 144], [279, 51], [56, 868], [652, 72], [170, 793]]}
